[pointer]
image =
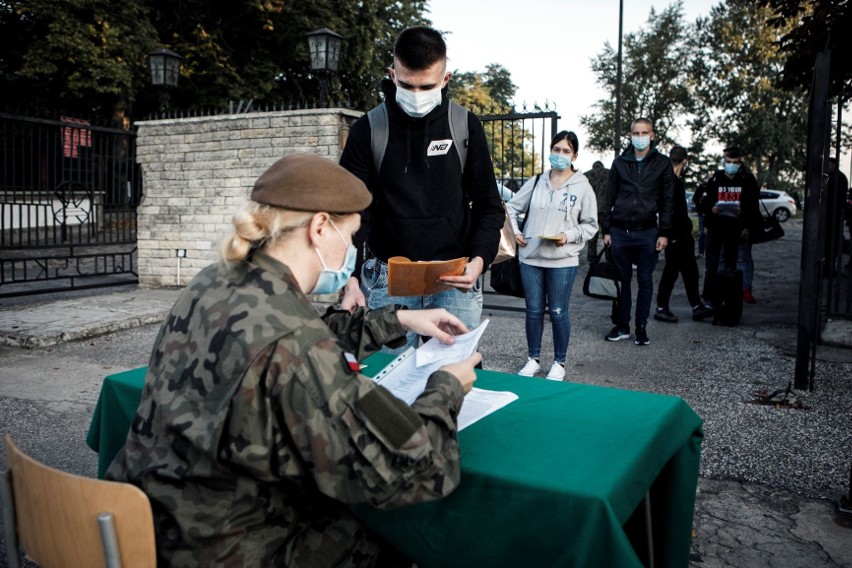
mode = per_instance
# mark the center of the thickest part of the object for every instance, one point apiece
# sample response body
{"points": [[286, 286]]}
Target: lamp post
{"points": [[324, 49], [165, 70], [616, 139]]}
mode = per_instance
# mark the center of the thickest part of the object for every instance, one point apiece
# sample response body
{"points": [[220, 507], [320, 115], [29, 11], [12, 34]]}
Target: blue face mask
{"points": [[731, 169], [640, 142], [559, 161], [331, 281]]}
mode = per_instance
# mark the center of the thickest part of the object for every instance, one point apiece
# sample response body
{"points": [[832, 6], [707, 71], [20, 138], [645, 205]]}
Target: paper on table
{"points": [[479, 403], [406, 376], [463, 347], [409, 278]]}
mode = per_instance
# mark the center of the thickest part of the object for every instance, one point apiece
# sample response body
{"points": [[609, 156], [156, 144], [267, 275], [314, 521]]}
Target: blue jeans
{"points": [[467, 306], [639, 248], [550, 287]]}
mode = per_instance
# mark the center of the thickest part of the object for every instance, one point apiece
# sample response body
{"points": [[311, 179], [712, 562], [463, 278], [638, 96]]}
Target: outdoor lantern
{"points": [[324, 49], [165, 67]]}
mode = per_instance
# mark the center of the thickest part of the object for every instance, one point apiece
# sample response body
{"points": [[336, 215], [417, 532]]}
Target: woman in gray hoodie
{"points": [[560, 216]]}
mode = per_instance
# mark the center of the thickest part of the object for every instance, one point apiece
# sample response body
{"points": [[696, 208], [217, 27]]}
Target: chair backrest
{"points": [[57, 517]]}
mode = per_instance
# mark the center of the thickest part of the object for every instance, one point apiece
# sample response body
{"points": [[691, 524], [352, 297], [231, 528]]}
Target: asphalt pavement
{"points": [[771, 474]]}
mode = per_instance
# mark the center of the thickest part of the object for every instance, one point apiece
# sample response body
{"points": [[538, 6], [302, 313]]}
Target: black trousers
{"points": [[725, 236], [680, 260]]}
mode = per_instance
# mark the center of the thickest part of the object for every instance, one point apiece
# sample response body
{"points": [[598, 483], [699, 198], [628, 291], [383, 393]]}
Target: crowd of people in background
{"points": [[255, 401]]}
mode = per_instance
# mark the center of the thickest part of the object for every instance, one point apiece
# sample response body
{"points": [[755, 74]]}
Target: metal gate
{"points": [[68, 197], [519, 143]]}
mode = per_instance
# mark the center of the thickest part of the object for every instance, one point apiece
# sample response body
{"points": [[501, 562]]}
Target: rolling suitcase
{"points": [[728, 305]]}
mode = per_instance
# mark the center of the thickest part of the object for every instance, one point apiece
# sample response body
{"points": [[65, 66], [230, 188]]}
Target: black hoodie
{"points": [[423, 207]]}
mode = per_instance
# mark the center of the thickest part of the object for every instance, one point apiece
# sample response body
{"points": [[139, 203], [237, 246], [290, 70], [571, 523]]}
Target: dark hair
{"points": [[677, 154], [597, 165], [733, 152], [570, 137], [419, 48]]}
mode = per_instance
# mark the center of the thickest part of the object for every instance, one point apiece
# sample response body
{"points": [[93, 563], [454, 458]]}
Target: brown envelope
{"points": [[410, 278]]}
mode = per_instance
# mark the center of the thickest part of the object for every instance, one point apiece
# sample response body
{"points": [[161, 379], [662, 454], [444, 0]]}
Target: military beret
{"points": [[307, 182]]}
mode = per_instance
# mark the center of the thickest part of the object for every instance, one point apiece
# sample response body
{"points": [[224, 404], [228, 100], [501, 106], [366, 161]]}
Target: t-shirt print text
{"points": [[439, 147]]}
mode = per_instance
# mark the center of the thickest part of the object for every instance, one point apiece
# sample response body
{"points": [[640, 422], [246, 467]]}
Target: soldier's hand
{"points": [[463, 371], [352, 296], [438, 323]]}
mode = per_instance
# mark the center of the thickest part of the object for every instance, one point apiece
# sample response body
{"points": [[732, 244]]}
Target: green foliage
{"points": [[706, 86], [491, 92], [737, 58], [654, 84], [75, 55], [90, 56], [808, 26]]}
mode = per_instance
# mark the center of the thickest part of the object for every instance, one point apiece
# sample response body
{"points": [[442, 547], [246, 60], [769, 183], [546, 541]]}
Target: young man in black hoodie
{"points": [[637, 223], [426, 205], [731, 207]]}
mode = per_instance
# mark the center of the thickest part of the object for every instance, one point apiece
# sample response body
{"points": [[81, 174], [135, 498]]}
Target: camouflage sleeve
{"points": [[300, 416], [363, 331]]}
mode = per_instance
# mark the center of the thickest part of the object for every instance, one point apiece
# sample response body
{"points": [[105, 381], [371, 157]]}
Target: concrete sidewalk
{"points": [[770, 476]]}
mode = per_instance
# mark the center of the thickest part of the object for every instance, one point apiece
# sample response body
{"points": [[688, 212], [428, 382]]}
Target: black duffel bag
{"points": [[602, 281]]}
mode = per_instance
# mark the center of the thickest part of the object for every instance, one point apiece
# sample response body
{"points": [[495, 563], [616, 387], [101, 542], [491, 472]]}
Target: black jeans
{"points": [[725, 236], [680, 260], [639, 248]]}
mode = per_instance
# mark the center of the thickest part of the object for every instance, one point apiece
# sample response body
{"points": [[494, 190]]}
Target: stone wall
{"points": [[197, 171]]}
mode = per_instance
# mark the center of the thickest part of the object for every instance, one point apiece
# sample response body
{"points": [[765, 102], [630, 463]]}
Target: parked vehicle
{"points": [[777, 203]]}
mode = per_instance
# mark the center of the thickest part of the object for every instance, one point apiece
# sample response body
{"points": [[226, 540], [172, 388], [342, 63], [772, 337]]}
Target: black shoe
{"points": [[664, 314], [617, 334], [701, 312], [641, 336]]}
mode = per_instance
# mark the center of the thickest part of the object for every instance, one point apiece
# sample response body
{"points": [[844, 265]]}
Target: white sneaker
{"points": [[531, 368], [556, 373]]}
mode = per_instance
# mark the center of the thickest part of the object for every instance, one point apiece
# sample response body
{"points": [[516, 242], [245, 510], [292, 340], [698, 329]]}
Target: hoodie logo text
{"points": [[439, 147]]}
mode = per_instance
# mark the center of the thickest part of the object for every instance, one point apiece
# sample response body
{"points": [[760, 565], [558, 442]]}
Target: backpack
{"points": [[378, 118]]}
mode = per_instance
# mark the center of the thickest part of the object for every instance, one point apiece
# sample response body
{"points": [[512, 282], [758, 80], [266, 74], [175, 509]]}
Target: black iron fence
{"points": [[68, 196], [519, 142]]}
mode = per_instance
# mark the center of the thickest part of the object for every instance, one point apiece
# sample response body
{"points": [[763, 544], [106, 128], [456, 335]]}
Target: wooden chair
{"points": [[59, 519]]}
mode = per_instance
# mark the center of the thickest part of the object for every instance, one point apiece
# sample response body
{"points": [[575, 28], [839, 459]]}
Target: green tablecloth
{"points": [[556, 478]]}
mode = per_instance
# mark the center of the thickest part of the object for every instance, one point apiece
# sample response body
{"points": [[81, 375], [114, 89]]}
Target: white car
{"points": [[777, 203]]}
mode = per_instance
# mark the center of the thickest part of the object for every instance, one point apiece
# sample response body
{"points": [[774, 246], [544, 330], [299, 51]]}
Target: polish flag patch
{"points": [[351, 362]]}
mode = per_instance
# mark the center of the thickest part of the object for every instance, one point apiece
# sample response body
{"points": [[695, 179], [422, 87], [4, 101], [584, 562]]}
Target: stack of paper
{"points": [[405, 377]]}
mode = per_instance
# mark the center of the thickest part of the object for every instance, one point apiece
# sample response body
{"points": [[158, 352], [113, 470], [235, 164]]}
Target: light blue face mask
{"points": [[640, 142], [559, 161], [331, 281], [731, 169]]}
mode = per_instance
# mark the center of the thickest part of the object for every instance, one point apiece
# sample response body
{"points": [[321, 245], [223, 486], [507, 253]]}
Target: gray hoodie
{"points": [[570, 209]]}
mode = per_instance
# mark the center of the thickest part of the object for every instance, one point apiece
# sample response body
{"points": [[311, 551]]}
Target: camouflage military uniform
{"points": [[598, 177], [252, 433]]}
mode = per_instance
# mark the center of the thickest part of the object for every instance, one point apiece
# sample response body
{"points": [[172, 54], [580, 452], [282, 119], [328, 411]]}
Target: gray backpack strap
{"points": [[459, 131], [378, 118]]}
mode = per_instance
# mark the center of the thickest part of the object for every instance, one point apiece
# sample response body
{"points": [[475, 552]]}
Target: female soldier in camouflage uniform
{"points": [[255, 428]]}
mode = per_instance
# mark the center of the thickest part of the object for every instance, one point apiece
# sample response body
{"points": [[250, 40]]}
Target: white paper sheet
{"points": [[406, 376]]}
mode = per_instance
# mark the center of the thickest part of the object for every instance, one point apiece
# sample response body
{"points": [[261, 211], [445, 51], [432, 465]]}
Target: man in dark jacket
{"points": [[426, 205], [598, 176], [680, 254], [637, 223], [731, 208]]}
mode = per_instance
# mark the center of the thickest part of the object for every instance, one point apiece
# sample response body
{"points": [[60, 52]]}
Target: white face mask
{"points": [[420, 103]]}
